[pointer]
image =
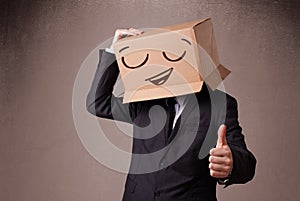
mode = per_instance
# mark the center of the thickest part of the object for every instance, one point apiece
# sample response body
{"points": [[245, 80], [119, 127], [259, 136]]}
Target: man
{"points": [[187, 177]]}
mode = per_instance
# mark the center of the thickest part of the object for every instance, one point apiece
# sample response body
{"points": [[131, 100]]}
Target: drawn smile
{"points": [[160, 78]]}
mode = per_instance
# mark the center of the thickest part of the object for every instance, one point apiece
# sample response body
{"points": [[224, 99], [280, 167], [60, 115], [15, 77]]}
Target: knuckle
{"points": [[227, 162]]}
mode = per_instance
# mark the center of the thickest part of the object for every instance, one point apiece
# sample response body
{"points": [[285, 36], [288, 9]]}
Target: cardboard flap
{"points": [[216, 77], [185, 25]]}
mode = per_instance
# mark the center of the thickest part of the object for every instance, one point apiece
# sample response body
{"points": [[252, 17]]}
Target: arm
{"points": [[231, 162], [100, 100], [244, 162]]}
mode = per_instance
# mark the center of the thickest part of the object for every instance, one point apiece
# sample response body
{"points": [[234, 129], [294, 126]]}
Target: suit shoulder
{"points": [[230, 100]]}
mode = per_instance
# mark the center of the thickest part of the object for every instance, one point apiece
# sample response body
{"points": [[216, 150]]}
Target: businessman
{"points": [[188, 178]]}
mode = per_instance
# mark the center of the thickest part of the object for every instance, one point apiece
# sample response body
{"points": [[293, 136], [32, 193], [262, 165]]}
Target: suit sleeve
{"points": [[244, 162], [100, 99]]}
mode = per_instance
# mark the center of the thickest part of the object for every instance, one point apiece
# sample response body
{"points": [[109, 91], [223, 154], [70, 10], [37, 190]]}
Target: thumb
{"points": [[221, 136]]}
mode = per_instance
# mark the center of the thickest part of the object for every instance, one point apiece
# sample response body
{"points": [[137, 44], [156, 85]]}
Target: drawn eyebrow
{"points": [[124, 48], [186, 41]]}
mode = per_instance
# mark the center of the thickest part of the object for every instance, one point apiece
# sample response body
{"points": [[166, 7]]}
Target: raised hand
{"points": [[220, 160], [123, 33]]}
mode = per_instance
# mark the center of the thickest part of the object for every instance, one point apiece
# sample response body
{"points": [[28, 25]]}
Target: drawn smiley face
{"points": [[157, 65], [170, 60], [161, 77]]}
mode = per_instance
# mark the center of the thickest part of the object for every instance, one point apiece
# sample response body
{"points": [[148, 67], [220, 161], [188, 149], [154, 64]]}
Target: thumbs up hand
{"points": [[220, 160]]}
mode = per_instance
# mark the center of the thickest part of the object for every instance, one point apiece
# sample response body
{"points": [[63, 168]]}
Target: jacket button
{"points": [[157, 193]]}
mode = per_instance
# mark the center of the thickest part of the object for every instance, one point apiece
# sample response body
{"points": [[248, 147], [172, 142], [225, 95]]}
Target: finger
{"points": [[220, 160], [224, 151], [118, 34], [137, 31], [126, 33], [217, 174], [130, 31], [221, 136], [122, 33], [219, 167]]}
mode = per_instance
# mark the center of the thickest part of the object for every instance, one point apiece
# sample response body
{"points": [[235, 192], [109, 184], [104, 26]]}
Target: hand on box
{"points": [[123, 33]]}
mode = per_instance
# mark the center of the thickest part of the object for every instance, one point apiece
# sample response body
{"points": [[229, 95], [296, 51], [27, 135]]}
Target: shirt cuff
{"points": [[224, 181]]}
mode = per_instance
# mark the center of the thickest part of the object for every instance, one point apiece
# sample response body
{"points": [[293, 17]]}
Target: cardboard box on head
{"points": [[170, 61]]}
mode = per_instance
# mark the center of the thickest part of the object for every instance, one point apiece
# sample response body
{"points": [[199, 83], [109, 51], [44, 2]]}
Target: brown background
{"points": [[43, 44]]}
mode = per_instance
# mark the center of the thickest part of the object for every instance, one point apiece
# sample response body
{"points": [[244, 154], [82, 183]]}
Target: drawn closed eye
{"points": [[174, 60], [137, 66]]}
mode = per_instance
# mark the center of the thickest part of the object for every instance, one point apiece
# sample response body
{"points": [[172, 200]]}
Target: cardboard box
{"points": [[170, 61]]}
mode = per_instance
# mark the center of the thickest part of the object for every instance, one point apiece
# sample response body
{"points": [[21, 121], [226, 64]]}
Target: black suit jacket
{"points": [[180, 175]]}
